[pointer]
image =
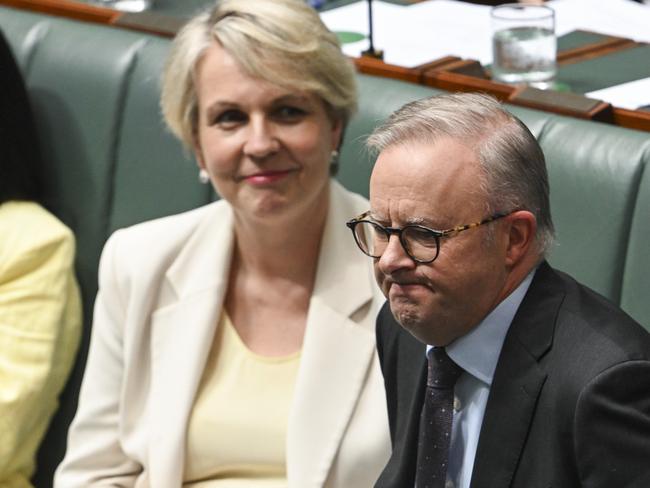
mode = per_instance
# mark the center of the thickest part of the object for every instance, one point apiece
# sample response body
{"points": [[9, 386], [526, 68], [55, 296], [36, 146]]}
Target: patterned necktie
{"points": [[436, 419]]}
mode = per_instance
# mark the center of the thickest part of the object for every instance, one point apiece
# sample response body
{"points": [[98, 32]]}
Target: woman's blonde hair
{"points": [[281, 41]]}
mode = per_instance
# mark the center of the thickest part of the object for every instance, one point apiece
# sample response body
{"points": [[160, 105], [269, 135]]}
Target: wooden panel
{"points": [[563, 103], [66, 8], [376, 67], [608, 43], [585, 53], [632, 119], [447, 80]]}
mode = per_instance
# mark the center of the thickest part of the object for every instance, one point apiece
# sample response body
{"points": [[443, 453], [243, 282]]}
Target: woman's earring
{"points": [[334, 162], [204, 177]]}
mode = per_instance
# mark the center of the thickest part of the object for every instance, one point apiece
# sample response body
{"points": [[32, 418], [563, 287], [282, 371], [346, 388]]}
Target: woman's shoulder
{"points": [[155, 243], [173, 227], [25, 223]]}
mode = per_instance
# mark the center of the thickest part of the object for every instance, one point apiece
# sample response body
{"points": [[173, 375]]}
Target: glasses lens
{"points": [[422, 244], [371, 238]]}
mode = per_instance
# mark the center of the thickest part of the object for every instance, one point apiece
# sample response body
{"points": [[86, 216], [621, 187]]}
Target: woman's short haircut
{"points": [[20, 162], [512, 162], [283, 42]]}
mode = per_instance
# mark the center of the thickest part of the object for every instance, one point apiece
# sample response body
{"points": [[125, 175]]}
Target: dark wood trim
{"points": [[632, 119], [66, 8], [578, 57], [450, 81], [373, 66], [608, 43]]}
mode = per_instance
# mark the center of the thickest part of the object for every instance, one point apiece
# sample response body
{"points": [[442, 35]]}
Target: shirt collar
{"points": [[477, 352]]}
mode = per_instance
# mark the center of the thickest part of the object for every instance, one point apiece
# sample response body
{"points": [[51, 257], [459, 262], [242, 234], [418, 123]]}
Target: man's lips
{"points": [[267, 177], [405, 287]]}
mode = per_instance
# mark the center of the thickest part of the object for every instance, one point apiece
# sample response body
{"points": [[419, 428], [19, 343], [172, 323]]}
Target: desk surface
{"points": [[581, 55]]}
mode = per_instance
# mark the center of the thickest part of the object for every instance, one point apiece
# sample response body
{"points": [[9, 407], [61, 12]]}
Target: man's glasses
{"points": [[422, 244]]}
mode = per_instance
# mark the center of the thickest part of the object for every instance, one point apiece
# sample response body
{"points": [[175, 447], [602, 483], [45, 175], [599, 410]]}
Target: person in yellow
{"points": [[40, 311]]}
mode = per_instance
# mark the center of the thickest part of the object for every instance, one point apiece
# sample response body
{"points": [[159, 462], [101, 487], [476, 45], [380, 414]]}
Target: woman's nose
{"points": [[261, 139]]}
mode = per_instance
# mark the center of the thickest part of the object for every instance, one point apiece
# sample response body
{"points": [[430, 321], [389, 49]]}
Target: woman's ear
{"points": [[198, 152], [337, 133]]}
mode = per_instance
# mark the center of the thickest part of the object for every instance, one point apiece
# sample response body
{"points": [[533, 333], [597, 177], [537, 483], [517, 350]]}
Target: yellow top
{"points": [[237, 430], [40, 325]]}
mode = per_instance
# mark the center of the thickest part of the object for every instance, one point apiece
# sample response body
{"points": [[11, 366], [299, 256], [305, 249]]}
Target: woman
{"points": [[40, 311], [233, 345]]}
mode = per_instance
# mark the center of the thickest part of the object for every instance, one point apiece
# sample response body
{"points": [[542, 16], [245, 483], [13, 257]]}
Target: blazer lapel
{"points": [[337, 352], [518, 381], [182, 332], [410, 397]]}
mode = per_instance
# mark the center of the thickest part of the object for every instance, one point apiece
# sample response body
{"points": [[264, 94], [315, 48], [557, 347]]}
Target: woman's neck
{"points": [[287, 248]]}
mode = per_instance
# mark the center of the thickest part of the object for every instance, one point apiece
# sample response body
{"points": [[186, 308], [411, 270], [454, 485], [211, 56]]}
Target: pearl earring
{"points": [[334, 162], [204, 177]]}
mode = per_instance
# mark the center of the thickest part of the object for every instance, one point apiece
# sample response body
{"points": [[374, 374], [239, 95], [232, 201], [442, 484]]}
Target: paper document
{"points": [[631, 95], [418, 33]]}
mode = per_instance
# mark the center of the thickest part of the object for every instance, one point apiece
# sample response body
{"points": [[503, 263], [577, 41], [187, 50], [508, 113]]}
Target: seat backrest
{"points": [[635, 294], [594, 174]]}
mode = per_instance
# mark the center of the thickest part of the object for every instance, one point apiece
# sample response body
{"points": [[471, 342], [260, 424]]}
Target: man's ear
{"points": [[522, 227]]}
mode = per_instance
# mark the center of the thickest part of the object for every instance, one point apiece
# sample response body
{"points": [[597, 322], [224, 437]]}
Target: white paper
{"points": [[631, 95], [419, 33], [622, 18], [415, 34]]}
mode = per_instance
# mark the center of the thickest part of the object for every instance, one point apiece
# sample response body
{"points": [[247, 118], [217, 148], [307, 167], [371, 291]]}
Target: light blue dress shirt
{"points": [[477, 353]]}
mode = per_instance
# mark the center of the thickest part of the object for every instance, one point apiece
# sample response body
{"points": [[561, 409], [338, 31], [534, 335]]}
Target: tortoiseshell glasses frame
{"points": [[421, 244]]}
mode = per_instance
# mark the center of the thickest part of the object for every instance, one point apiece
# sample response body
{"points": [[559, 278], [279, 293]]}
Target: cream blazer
{"points": [[161, 289]]}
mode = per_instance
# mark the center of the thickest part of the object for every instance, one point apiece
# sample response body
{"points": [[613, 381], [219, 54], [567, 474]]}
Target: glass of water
{"points": [[524, 46], [125, 5]]}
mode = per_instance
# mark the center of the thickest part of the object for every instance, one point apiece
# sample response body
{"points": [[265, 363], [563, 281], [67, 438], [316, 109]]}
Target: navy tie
{"points": [[436, 420]]}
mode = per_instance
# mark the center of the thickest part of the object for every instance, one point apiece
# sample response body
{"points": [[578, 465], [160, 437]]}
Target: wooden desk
{"points": [[448, 73]]}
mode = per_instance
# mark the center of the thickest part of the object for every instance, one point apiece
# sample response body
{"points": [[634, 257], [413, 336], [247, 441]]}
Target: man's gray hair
{"points": [[513, 165]]}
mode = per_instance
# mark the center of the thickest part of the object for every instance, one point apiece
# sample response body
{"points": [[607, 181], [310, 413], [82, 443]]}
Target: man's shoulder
{"points": [[591, 328]]}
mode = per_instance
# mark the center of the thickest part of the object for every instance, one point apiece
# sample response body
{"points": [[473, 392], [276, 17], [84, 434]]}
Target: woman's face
{"points": [[267, 149]]}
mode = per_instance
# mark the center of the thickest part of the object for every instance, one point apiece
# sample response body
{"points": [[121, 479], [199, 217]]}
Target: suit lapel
{"points": [[337, 352], [518, 381], [182, 332], [410, 397]]}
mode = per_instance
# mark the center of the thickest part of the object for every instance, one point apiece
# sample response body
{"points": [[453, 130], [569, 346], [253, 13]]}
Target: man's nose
{"points": [[394, 257]]}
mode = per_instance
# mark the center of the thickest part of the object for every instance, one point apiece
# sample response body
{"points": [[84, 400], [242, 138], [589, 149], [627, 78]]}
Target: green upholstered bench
{"points": [[111, 163]]}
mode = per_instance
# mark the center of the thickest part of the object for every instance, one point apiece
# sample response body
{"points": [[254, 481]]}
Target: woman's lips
{"points": [[267, 177]]}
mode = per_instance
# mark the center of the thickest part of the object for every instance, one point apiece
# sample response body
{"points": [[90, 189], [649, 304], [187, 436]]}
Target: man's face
{"points": [[437, 185]]}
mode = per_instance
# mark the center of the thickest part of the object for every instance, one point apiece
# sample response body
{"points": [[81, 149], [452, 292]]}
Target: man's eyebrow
{"points": [[426, 222]]}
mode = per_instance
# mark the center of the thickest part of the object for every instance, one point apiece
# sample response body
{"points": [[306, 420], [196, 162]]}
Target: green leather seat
{"points": [[635, 294]]}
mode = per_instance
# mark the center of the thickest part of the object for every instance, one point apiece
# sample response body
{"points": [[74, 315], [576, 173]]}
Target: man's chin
{"points": [[405, 314]]}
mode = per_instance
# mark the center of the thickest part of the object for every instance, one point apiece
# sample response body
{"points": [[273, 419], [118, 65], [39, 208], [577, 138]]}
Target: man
{"points": [[549, 382]]}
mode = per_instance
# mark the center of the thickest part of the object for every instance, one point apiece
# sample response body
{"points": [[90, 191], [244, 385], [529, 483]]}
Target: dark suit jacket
{"points": [[570, 399]]}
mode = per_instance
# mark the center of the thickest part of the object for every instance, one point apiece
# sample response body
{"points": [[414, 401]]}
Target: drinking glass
{"points": [[524, 46], [126, 5]]}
